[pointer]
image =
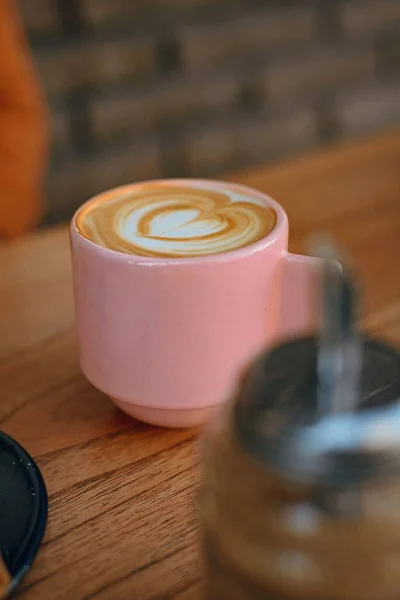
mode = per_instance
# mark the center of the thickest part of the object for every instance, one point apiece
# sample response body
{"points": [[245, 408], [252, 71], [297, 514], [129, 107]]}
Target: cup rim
{"points": [[269, 240]]}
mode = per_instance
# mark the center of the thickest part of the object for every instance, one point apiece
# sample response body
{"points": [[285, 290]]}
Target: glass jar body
{"points": [[269, 538]]}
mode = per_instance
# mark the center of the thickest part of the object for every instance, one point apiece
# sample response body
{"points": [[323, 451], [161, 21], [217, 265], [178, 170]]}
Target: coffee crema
{"points": [[164, 219]]}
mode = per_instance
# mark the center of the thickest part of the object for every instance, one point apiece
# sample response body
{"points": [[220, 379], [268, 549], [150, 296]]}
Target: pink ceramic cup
{"points": [[165, 338]]}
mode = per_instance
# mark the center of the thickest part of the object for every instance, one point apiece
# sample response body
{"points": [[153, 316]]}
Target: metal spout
{"points": [[339, 355]]}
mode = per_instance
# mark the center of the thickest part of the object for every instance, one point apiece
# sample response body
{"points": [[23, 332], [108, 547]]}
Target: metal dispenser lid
{"points": [[325, 409]]}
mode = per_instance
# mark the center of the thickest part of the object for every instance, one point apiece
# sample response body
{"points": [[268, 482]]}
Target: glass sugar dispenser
{"points": [[301, 492]]}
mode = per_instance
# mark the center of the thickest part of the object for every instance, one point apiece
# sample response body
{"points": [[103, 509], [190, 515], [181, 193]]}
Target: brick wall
{"points": [[151, 88]]}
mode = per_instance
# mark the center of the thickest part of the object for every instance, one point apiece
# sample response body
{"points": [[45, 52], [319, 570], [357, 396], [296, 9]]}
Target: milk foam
{"points": [[166, 220]]}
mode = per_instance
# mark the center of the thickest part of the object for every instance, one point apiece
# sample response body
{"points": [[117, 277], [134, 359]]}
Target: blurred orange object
{"points": [[23, 129]]}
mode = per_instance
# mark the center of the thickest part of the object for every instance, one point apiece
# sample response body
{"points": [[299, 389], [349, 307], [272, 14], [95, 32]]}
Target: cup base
{"points": [[172, 418]]}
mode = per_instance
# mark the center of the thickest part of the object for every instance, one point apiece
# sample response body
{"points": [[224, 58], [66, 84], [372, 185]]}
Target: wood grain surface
{"points": [[122, 521]]}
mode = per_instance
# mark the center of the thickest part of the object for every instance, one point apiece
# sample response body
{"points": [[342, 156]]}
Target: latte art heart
{"points": [[163, 220]]}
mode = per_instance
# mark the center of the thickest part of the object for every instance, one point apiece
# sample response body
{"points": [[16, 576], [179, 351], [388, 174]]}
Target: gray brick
{"points": [[366, 17], [369, 108], [278, 135], [123, 114], [76, 180], [122, 60], [185, 5], [388, 54], [95, 63], [250, 140], [105, 12], [193, 98], [212, 43], [60, 130], [39, 16], [101, 12], [211, 149], [318, 72], [166, 103]]}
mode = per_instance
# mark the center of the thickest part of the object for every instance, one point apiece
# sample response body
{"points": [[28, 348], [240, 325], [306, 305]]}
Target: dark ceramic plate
{"points": [[23, 508]]}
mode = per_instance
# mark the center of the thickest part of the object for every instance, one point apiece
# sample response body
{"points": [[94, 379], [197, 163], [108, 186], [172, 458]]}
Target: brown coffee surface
{"points": [[164, 219]]}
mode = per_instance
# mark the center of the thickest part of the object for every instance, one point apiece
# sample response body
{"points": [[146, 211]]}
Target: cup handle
{"points": [[297, 313]]}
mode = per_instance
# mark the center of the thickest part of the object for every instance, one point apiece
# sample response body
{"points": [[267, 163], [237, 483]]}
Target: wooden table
{"points": [[122, 521]]}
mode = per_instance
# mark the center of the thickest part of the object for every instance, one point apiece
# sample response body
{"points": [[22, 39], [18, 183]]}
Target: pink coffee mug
{"points": [[165, 338]]}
